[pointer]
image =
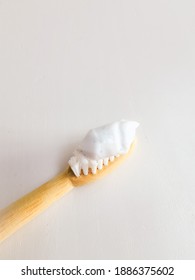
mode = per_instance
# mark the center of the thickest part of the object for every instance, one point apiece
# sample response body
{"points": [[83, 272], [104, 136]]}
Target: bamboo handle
{"points": [[26, 208]]}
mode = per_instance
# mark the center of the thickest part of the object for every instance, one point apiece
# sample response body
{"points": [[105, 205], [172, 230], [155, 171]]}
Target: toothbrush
{"points": [[86, 166]]}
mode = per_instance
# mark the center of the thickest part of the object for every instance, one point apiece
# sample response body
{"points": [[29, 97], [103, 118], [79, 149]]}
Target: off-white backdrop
{"points": [[68, 66]]}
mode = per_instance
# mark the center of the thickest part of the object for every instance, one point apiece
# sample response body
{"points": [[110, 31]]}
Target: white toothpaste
{"points": [[102, 145]]}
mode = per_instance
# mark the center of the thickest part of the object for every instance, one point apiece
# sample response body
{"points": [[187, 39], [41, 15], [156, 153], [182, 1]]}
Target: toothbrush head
{"points": [[102, 148], [83, 179]]}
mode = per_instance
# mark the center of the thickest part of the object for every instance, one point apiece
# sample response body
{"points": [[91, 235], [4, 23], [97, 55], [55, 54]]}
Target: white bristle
{"points": [[85, 170], [93, 165], [112, 158], [105, 161], [100, 164], [76, 170], [80, 163], [85, 166], [94, 170], [75, 166]]}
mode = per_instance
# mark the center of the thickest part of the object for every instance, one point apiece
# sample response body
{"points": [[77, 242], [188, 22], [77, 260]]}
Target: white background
{"points": [[68, 66]]}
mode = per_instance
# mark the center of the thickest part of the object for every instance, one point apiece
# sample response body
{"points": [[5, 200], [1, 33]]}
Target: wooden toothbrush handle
{"points": [[26, 208]]}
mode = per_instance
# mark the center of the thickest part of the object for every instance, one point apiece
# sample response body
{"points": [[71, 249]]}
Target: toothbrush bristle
{"points": [[100, 164], [82, 165], [112, 158], [93, 165]]}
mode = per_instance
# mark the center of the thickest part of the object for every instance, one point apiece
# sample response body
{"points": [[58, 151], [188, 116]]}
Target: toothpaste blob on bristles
{"points": [[102, 145]]}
